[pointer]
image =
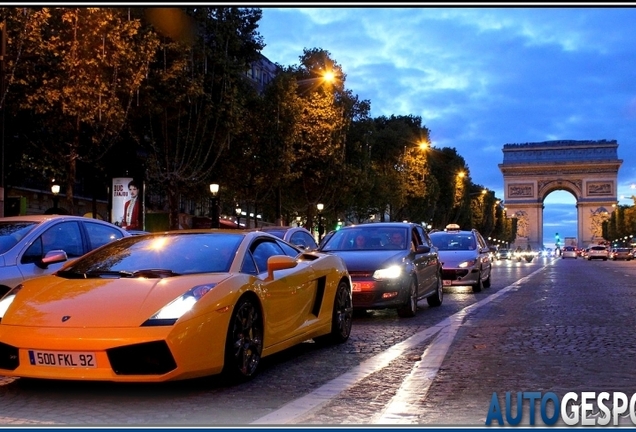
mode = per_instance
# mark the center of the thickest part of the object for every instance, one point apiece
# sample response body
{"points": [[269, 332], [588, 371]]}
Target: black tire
{"points": [[487, 281], [410, 307], [244, 341], [478, 285], [438, 298], [342, 316]]}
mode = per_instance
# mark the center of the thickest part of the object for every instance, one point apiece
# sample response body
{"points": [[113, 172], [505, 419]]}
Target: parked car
{"points": [[392, 265], [621, 254], [298, 236], [569, 252], [30, 245], [597, 252], [174, 305], [465, 257]]}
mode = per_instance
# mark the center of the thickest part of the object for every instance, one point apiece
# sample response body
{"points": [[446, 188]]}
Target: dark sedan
{"points": [[392, 265]]}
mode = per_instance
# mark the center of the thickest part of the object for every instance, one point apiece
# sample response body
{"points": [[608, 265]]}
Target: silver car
{"points": [[597, 252], [37, 245], [569, 252], [465, 257]]}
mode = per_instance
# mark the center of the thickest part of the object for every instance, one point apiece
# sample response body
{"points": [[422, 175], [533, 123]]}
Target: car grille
{"points": [[150, 358], [454, 274], [361, 274], [9, 358], [363, 299]]}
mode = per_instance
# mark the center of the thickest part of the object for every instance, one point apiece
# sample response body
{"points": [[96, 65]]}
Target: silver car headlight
{"points": [[170, 313], [8, 298], [392, 272], [469, 263]]}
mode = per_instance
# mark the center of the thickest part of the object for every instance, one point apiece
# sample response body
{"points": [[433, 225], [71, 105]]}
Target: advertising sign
{"points": [[121, 195]]}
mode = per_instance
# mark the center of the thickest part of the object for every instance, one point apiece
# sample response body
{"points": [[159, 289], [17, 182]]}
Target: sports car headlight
{"points": [[392, 272], [468, 263], [6, 301], [170, 313]]}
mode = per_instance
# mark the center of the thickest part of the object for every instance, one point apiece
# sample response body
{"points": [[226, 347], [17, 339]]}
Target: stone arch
{"points": [[586, 169]]}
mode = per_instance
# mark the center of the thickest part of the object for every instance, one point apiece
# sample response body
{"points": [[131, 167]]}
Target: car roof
{"points": [[273, 227], [40, 218], [381, 224], [45, 218]]}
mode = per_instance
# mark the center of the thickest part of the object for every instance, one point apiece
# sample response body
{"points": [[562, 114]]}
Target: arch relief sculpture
{"points": [[522, 223], [597, 218]]}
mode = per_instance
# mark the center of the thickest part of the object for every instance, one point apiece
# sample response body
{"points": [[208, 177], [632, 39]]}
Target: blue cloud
{"points": [[482, 77]]}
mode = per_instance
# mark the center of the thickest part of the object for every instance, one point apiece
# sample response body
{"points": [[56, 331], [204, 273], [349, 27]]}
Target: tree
{"points": [[193, 104], [320, 147], [74, 73]]}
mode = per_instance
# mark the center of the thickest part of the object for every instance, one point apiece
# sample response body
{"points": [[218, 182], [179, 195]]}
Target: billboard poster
{"points": [[126, 211]]}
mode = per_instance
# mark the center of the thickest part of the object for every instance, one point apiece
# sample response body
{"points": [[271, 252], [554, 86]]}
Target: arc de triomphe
{"points": [[586, 169]]}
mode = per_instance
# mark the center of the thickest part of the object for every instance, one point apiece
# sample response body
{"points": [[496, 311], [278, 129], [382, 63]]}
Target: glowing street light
{"points": [[214, 205], [238, 216], [320, 208], [55, 189]]}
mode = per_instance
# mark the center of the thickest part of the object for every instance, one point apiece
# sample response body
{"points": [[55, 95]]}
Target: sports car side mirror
{"points": [[279, 262]]}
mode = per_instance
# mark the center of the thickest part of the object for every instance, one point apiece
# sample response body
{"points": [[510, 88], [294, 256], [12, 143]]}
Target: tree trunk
{"points": [[173, 206]]}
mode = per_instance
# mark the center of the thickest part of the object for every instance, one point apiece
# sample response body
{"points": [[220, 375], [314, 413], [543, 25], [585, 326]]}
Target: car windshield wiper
{"points": [[154, 273], [69, 274], [147, 273], [108, 274]]}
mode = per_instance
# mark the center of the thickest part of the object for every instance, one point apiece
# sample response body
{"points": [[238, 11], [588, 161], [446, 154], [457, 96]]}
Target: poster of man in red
{"points": [[126, 203]]}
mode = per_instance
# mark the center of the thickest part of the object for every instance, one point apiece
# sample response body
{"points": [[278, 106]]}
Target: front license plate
{"points": [[62, 359], [356, 287], [447, 282]]}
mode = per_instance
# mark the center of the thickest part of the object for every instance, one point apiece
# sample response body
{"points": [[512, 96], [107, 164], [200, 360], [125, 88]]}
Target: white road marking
{"points": [[400, 409]]}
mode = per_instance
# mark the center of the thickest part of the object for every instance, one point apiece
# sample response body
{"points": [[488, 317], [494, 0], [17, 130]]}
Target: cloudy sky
{"points": [[483, 77]]}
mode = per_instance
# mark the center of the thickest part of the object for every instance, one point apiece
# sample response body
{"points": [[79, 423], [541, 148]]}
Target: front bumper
{"points": [[460, 277], [145, 354], [369, 293]]}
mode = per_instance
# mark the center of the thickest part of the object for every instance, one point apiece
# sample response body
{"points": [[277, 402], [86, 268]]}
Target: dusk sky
{"points": [[483, 77]]}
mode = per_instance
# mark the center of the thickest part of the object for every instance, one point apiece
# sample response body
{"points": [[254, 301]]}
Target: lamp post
{"points": [[320, 207], [238, 216], [55, 189], [214, 205]]}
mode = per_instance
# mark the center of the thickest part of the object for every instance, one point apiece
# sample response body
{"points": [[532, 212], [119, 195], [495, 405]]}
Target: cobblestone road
{"points": [[562, 327]]}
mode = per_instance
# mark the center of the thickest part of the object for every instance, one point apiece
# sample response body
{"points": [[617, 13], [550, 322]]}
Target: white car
{"points": [[597, 252], [569, 252], [465, 257], [38, 245]]}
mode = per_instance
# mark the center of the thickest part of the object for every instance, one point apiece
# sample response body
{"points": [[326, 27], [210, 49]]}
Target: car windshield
{"points": [[445, 241], [367, 238], [158, 256], [12, 232]]}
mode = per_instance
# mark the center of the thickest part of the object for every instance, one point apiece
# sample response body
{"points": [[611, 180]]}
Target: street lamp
{"points": [[320, 207], [214, 204], [55, 189], [238, 216]]}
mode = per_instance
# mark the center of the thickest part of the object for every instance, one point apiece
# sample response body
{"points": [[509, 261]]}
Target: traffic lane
{"points": [[284, 377], [567, 329]]}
